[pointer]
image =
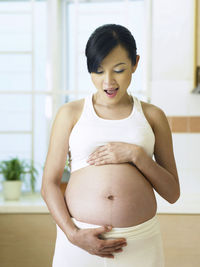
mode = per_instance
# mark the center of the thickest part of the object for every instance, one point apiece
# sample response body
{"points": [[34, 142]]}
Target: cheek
{"points": [[92, 78], [126, 79], [95, 81]]}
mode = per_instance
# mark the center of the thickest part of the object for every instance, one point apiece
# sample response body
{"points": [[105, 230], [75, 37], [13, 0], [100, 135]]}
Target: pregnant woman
{"points": [[107, 216]]}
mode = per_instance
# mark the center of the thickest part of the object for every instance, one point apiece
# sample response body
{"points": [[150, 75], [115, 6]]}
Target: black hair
{"points": [[104, 39]]}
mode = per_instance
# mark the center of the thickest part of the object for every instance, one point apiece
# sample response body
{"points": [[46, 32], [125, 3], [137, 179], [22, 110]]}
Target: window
{"points": [[31, 88], [23, 127], [78, 18]]}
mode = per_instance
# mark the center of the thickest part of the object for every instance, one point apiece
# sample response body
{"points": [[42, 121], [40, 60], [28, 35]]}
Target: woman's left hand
{"points": [[113, 152]]}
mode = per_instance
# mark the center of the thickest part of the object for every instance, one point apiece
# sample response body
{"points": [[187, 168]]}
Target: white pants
{"points": [[144, 248]]}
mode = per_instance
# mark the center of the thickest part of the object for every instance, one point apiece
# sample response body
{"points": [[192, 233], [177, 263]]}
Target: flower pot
{"points": [[64, 180], [63, 187], [12, 190]]}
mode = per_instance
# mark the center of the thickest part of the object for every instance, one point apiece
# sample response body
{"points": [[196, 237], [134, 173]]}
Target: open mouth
{"points": [[112, 92]]}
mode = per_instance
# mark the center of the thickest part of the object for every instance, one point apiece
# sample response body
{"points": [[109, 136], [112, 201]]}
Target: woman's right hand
{"points": [[90, 239]]}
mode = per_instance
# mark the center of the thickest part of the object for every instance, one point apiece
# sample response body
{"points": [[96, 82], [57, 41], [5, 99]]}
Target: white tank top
{"points": [[92, 131]]}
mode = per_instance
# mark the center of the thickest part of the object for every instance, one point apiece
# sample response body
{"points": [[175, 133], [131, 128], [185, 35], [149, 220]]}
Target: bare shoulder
{"points": [[163, 148], [59, 140], [154, 114], [73, 106], [72, 110]]}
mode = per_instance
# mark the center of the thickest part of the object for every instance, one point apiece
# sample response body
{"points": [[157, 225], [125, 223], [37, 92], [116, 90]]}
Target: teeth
{"points": [[111, 91]]}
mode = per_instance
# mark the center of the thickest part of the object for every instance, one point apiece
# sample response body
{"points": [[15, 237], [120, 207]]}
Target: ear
{"points": [[136, 64]]}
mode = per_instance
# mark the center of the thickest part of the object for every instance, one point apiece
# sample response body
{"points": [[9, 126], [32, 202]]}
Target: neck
{"points": [[125, 100]]}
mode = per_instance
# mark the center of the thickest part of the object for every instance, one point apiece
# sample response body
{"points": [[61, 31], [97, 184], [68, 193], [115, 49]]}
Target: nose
{"points": [[109, 80]]}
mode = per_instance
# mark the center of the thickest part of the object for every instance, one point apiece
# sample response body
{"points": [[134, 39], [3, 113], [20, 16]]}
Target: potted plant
{"points": [[14, 171], [65, 176]]}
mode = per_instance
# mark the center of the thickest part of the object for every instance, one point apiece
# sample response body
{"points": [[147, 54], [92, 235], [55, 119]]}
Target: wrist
{"points": [[72, 235], [137, 155]]}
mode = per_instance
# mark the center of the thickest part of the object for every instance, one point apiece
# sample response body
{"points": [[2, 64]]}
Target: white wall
{"points": [[172, 57], [171, 84]]}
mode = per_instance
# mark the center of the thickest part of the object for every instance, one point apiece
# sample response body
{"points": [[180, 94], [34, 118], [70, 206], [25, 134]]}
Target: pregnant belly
{"points": [[114, 194]]}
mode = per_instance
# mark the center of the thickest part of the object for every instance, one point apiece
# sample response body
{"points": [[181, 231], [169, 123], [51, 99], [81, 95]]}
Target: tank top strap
{"points": [[137, 105], [87, 108]]}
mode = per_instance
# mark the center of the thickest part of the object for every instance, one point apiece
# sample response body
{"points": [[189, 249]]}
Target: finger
{"points": [[98, 150], [106, 255], [98, 155], [118, 250], [102, 160], [102, 229], [97, 162], [101, 148], [111, 249], [110, 255], [113, 242]]}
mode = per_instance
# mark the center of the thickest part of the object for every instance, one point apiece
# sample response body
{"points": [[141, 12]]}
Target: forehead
{"points": [[118, 54]]}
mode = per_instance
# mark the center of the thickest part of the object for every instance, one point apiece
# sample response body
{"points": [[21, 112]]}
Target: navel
{"points": [[111, 197]]}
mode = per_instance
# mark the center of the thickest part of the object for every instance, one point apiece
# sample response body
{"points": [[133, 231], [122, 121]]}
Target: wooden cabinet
{"points": [[28, 240], [181, 238]]}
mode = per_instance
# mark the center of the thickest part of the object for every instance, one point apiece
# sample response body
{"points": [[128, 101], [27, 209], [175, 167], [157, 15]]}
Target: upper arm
{"points": [[58, 145], [163, 149]]}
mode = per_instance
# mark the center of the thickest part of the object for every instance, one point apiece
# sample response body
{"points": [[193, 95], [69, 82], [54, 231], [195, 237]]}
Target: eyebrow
{"points": [[117, 64]]}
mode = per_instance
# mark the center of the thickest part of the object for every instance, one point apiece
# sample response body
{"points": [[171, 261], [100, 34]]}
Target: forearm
{"points": [[162, 180], [54, 199]]}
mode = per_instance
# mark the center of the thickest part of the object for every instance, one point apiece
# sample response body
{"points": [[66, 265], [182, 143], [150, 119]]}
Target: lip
{"points": [[110, 88], [113, 94]]}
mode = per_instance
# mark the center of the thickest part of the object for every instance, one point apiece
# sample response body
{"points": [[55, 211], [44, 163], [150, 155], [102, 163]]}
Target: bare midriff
{"points": [[112, 194]]}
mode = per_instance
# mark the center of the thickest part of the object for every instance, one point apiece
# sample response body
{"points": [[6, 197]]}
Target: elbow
{"points": [[42, 193], [175, 197], [173, 200], [175, 194]]}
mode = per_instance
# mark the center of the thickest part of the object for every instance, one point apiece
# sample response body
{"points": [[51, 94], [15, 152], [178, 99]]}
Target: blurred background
{"points": [[43, 66]]}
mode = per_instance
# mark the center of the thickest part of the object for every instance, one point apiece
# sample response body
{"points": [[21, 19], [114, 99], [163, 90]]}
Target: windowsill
{"points": [[28, 203], [186, 204], [33, 203]]}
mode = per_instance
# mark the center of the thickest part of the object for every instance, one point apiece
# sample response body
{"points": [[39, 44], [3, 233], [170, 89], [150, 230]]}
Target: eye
{"points": [[116, 71], [119, 71]]}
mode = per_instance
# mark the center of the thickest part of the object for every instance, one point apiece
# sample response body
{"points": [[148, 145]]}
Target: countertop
{"points": [[33, 203], [28, 203]]}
